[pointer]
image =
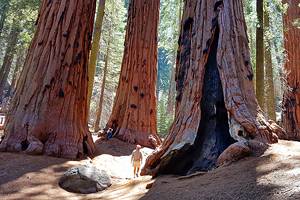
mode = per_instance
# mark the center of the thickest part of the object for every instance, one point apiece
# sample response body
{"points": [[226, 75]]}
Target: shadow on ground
{"points": [[14, 166], [36, 177], [275, 175]]}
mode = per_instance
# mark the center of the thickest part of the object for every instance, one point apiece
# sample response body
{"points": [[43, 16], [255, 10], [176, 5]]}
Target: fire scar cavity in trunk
{"points": [[213, 136], [216, 103]]}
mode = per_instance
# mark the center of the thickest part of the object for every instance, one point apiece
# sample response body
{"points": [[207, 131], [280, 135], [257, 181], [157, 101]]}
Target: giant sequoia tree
{"points": [[133, 116], [49, 111], [291, 100], [216, 103]]}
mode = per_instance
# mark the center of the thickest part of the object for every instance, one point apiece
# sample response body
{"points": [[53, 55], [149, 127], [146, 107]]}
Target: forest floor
{"points": [[274, 175]]}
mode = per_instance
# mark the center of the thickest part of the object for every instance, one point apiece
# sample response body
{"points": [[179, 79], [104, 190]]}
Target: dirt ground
{"points": [[275, 175]]}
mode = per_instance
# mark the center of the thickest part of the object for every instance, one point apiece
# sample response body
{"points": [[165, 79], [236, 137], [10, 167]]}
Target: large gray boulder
{"points": [[85, 179]]}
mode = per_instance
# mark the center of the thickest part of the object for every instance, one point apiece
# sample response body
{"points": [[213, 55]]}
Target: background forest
{"points": [[17, 25], [126, 88]]}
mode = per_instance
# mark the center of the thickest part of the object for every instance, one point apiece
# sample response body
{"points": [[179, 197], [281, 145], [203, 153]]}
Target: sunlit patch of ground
{"points": [[275, 175], [36, 177]]}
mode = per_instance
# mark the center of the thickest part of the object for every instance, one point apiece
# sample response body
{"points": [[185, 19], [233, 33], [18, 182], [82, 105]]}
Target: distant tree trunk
{"points": [[260, 72], [17, 70], [101, 100], [172, 93], [270, 91], [8, 57], [172, 88], [3, 14], [291, 99], [133, 115], [49, 111], [216, 103], [252, 46], [95, 48]]}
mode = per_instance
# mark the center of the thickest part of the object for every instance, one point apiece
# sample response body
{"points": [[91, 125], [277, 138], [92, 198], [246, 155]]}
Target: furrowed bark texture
{"points": [[133, 116], [291, 99], [49, 111], [202, 20]]}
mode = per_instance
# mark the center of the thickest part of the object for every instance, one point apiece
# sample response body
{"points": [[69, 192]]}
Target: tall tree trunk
{"points": [[172, 93], [101, 100], [270, 91], [95, 48], [291, 99], [216, 103], [49, 111], [17, 70], [172, 88], [8, 58], [3, 14], [260, 72], [133, 115]]}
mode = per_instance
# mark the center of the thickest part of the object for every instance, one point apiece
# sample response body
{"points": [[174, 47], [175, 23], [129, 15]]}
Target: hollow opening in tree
{"points": [[213, 135], [213, 49]]}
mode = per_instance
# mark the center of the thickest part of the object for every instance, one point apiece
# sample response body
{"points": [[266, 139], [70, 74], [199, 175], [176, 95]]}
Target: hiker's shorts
{"points": [[136, 164]]}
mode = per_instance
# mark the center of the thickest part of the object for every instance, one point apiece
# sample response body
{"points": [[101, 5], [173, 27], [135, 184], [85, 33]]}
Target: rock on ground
{"points": [[85, 179], [234, 152]]}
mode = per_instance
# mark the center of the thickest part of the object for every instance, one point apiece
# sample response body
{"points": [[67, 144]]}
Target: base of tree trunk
{"points": [[213, 135], [54, 145], [217, 115], [48, 112], [136, 137], [291, 114]]}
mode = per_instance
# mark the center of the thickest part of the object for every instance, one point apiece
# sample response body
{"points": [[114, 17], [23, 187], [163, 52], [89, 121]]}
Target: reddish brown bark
{"points": [[133, 116], [49, 111], [205, 23], [291, 100]]}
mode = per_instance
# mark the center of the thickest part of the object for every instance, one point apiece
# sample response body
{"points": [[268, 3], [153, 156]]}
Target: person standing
{"points": [[136, 160]]}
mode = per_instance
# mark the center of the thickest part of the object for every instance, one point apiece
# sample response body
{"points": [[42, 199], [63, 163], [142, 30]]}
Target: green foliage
{"points": [[169, 27], [115, 20], [164, 120], [164, 68], [22, 14], [113, 32], [275, 9]]}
